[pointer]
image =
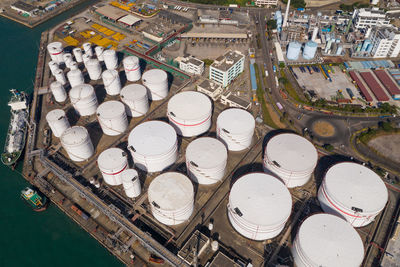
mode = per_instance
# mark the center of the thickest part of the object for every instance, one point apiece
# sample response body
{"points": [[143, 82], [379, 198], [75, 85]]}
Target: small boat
{"points": [[37, 201]]}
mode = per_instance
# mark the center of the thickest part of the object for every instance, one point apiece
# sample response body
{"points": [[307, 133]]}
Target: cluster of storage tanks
{"points": [[294, 50], [260, 204]]}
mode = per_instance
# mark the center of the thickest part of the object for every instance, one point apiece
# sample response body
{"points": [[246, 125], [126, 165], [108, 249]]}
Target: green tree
{"points": [[385, 125], [283, 80], [271, 24], [328, 147], [208, 62], [281, 65]]}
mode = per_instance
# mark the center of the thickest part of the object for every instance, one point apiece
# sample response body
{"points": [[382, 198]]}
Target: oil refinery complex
{"points": [[148, 129]]}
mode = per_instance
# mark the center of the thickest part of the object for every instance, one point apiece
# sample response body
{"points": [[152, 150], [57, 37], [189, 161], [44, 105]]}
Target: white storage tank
{"points": [[131, 183], [132, 68], [56, 52], [68, 59], [112, 117], [111, 81], [99, 52], [171, 198], [134, 96], [73, 65], [58, 91], [354, 192], [153, 145], [290, 157], [53, 66], [310, 49], [327, 240], [110, 59], [75, 77], [206, 159], [60, 76], [57, 121], [190, 113], [112, 163], [76, 141], [85, 58], [235, 128], [156, 81], [77, 54], [293, 50], [259, 206], [87, 48], [93, 68], [84, 99]]}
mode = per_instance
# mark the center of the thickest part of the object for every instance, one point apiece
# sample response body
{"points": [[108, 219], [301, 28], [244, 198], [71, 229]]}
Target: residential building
{"points": [[210, 88], [385, 43], [266, 2], [191, 65], [227, 67], [24, 8], [364, 18]]}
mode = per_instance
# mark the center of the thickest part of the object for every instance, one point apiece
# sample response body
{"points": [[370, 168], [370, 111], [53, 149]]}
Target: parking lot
{"points": [[323, 88]]}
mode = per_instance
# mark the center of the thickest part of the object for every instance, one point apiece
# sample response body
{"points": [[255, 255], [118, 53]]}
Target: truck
{"points": [[351, 94], [279, 105], [274, 68], [266, 73], [234, 5]]}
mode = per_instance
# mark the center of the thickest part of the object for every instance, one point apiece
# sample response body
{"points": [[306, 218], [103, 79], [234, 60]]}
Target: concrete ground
{"points": [[325, 89], [387, 145]]}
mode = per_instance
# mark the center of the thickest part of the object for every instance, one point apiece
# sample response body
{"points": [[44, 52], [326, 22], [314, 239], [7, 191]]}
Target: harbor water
{"points": [[49, 238]]}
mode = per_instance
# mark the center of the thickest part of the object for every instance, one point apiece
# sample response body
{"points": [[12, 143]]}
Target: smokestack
{"points": [[286, 15]]}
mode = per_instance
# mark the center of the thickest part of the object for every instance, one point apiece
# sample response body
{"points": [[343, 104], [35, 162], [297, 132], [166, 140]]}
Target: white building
{"points": [[227, 67], [230, 99], [191, 65], [385, 43], [24, 8], [364, 18], [210, 88], [266, 2]]}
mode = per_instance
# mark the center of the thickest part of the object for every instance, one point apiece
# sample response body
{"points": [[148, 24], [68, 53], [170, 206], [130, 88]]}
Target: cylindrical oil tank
{"points": [[58, 91], [84, 99], [68, 59], [310, 49], [353, 192], [132, 68], [111, 81], [290, 157], [134, 96], [235, 128], [53, 66], [85, 58], [293, 50], [93, 68], [112, 163], [206, 160], [56, 52], [57, 121], [76, 141], [171, 198], [99, 52], [156, 81], [327, 240], [259, 206], [77, 54], [131, 183], [153, 145], [87, 48], [73, 65], [190, 113], [60, 76], [110, 59], [75, 77], [112, 117]]}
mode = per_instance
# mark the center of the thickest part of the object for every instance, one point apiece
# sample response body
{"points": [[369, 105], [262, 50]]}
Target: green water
{"points": [[49, 238]]}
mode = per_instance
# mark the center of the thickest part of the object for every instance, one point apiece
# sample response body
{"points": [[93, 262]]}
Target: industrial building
{"points": [[364, 18], [266, 2], [227, 67], [230, 99], [210, 88], [23, 7], [385, 42], [191, 65]]}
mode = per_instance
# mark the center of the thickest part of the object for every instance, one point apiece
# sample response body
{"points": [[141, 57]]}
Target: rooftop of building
{"points": [[387, 32], [24, 6], [192, 60], [372, 11], [226, 61], [209, 85], [238, 100]]}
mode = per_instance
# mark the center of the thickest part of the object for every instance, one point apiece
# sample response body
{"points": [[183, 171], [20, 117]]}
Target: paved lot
{"points": [[387, 145]]}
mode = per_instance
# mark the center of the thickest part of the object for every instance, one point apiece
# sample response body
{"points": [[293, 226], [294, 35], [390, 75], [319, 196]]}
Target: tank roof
{"points": [[354, 185], [190, 105], [236, 120], [327, 240], [55, 114], [206, 152], [110, 109], [171, 191], [111, 158], [292, 152], [74, 135], [128, 174], [154, 76], [81, 91], [262, 199], [133, 91], [152, 138]]}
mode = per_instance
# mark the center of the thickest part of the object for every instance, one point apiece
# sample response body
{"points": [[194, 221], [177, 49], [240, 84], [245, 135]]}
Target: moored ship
{"points": [[16, 134], [34, 199]]}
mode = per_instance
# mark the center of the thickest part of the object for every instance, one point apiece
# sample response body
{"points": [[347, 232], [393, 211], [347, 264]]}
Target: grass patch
{"points": [[290, 90]]}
